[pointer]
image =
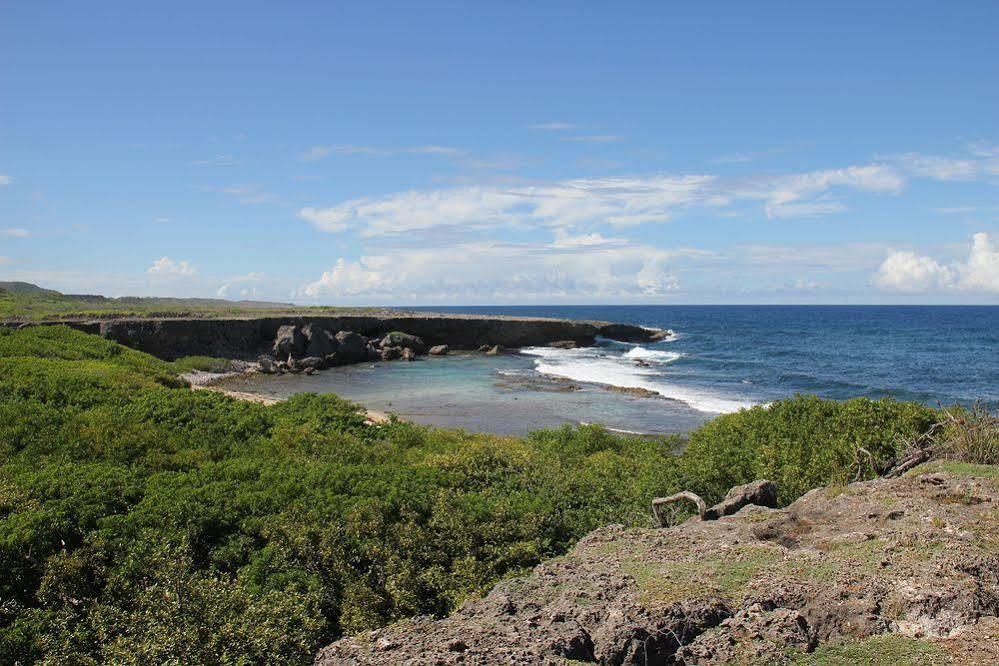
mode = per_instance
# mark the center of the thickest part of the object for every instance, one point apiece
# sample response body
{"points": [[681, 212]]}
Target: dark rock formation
{"points": [[494, 350], [407, 354], [172, 338], [318, 341], [405, 341], [390, 353], [288, 341], [563, 344], [351, 347]]}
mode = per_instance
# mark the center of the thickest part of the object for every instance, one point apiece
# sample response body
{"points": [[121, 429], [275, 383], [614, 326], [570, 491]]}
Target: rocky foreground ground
{"points": [[892, 571]]}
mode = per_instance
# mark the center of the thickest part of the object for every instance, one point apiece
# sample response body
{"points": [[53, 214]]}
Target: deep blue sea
{"points": [[758, 353], [719, 359]]}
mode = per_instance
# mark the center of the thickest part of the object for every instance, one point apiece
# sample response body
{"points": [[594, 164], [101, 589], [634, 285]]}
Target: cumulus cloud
{"points": [[909, 272], [168, 267], [15, 232], [590, 269]]}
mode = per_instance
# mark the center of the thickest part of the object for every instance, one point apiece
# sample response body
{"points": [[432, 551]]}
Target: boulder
{"points": [[760, 493], [390, 353], [289, 341], [563, 344], [374, 353], [311, 362], [407, 354], [266, 365], [494, 350], [318, 341], [483, 349], [404, 340], [351, 347], [439, 350]]}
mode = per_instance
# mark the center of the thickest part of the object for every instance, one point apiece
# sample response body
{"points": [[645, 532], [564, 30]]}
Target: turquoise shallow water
{"points": [[720, 359], [499, 394]]}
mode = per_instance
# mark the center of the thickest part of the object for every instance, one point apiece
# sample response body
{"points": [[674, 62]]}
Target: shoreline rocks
{"points": [[170, 338]]}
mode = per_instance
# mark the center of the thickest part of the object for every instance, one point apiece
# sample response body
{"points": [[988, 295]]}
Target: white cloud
{"points": [[981, 272], [5, 179], [243, 286], [553, 127], [908, 272], [589, 269], [167, 266], [614, 201], [16, 233], [786, 194], [218, 160], [316, 153], [981, 160], [162, 220]]}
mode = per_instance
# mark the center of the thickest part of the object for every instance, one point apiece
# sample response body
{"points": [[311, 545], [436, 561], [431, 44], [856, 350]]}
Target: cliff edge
{"points": [[901, 570]]}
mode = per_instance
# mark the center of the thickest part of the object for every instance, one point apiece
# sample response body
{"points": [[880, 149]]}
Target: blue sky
{"points": [[546, 152]]}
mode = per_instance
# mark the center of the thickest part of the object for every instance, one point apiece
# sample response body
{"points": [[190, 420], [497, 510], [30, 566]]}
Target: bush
{"points": [[142, 522], [799, 443]]}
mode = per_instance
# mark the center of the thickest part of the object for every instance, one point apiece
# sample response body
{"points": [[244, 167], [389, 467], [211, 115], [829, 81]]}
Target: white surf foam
{"points": [[658, 356], [595, 366]]}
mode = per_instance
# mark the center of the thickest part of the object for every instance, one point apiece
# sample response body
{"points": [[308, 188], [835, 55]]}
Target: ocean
{"points": [[718, 359]]}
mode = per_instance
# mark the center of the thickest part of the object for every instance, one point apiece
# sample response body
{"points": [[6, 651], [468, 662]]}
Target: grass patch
{"points": [[885, 650], [722, 575]]}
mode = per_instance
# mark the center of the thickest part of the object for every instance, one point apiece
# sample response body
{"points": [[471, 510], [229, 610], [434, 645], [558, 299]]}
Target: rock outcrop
{"points": [[404, 341], [908, 563], [247, 338]]}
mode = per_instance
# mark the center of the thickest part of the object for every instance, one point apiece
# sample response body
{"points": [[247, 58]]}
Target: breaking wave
{"points": [[638, 367]]}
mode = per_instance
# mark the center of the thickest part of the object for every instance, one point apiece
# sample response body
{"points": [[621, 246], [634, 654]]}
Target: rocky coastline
{"points": [[303, 343]]}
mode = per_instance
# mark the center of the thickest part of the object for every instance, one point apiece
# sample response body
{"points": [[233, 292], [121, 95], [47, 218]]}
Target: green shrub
{"points": [[799, 443]]}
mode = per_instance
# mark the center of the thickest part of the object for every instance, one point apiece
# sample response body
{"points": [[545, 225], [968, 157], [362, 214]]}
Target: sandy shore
{"points": [[205, 381]]}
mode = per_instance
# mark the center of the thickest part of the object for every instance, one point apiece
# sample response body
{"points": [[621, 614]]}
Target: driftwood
{"points": [[702, 507]]}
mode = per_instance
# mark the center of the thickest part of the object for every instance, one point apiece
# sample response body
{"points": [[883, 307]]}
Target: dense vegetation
{"points": [[141, 522], [22, 301]]}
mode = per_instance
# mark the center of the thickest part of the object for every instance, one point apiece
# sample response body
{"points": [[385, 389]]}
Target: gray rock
{"points": [[374, 353], [352, 347], [289, 341], [439, 350], [404, 340], [266, 365], [311, 362], [494, 350], [563, 344], [407, 354], [390, 353], [483, 348], [760, 493], [318, 341]]}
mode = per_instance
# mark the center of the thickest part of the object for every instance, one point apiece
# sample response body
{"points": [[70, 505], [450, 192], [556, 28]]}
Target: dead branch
{"points": [[702, 507]]}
